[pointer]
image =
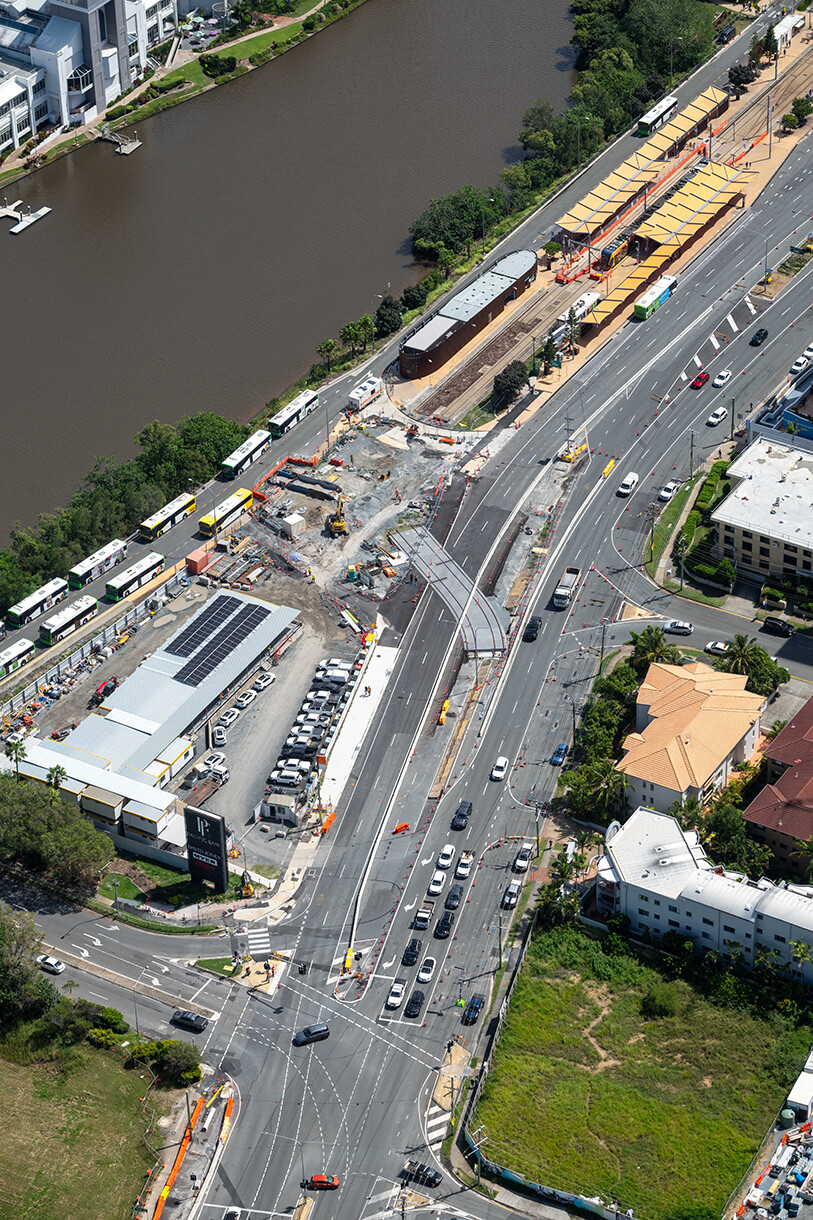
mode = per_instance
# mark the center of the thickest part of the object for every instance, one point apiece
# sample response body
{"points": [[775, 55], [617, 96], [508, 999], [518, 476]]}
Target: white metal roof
{"points": [[772, 493], [478, 296], [802, 1092], [430, 333], [652, 849]]}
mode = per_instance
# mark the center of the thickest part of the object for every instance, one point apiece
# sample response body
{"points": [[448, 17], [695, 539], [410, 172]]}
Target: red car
{"points": [[324, 1181], [700, 380]]}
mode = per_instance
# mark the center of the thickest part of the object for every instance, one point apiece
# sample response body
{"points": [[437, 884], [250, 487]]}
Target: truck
{"points": [[424, 914], [566, 587]]}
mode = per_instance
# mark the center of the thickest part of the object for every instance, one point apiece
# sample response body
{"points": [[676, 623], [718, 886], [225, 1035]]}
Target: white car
{"points": [[677, 626], [717, 648], [228, 718], [218, 736], [215, 759], [464, 865], [523, 858], [427, 970], [245, 699], [668, 490], [446, 857], [808, 352], [437, 883], [500, 768], [799, 366], [396, 997], [722, 378], [717, 417], [50, 964], [264, 680]]}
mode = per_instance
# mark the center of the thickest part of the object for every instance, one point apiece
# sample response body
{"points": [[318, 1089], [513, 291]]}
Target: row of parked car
{"points": [[314, 725]]}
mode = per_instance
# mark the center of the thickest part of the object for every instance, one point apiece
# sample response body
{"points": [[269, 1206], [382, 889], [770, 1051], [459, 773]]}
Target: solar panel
{"points": [[222, 645], [203, 625]]}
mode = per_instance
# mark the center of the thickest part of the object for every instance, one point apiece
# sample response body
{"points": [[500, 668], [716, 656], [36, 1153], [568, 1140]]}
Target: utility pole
{"points": [[601, 658], [499, 938], [537, 829], [478, 1139], [653, 512], [770, 128], [733, 401]]}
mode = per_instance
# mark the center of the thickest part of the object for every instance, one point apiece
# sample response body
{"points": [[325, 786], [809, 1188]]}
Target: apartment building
{"points": [[782, 813]]}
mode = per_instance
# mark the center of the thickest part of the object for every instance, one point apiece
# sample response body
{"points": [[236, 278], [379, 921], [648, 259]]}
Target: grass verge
{"points": [[666, 523], [690, 593], [219, 965]]}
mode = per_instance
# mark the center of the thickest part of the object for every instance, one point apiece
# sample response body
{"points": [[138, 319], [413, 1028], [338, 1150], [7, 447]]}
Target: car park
{"points": [[446, 856], [511, 895], [500, 768], [473, 1008], [412, 952], [193, 1021], [700, 380], [523, 858], [464, 865], [396, 997], [323, 1181], [264, 680], [453, 898], [628, 484], [716, 648], [218, 735], [427, 970], [444, 926], [228, 718], [462, 814], [668, 490], [778, 626], [717, 416], [247, 697], [758, 337], [311, 1033], [414, 1004], [559, 755], [677, 626], [722, 378], [51, 965], [437, 883], [799, 365], [531, 630]]}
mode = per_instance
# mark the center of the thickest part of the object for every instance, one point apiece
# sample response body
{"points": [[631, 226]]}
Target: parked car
{"points": [[446, 857], [799, 365], [218, 735], [717, 648], [559, 755], [473, 1009], [228, 718], [311, 1033], [193, 1021], [461, 818], [677, 626], [51, 965], [396, 997], [531, 630], [453, 898], [668, 490], [437, 883], [427, 970], [247, 697], [215, 759], [412, 952], [511, 896], [323, 1181], [758, 337], [700, 380], [778, 626], [717, 416], [500, 768], [523, 858], [414, 1004], [722, 378], [444, 926], [264, 680]]}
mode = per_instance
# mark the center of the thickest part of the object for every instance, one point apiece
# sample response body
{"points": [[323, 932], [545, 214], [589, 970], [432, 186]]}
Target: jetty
{"points": [[124, 144], [14, 211]]}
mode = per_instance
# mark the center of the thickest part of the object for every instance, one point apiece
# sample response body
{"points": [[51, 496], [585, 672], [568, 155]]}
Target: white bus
{"points": [[72, 617], [166, 517], [291, 415], [248, 452], [35, 604], [15, 655], [101, 561], [141, 573], [660, 113], [581, 308]]}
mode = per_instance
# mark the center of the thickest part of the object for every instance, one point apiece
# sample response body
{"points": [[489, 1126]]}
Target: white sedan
{"points": [[51, 964], [717, 648], [668, 490], [246, 698], [437, 883], [500, 768], [427, 970], [446, 857], [722, 378], [717, 417], [396, 997], [799, 366]]}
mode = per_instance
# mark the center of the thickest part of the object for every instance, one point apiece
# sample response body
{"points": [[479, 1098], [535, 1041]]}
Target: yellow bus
{"points": [[166, 517], [226, 512]]}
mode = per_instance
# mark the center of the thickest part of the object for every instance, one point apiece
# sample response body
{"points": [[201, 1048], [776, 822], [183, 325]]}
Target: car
{"points": [[700, 380], [511, 895], [523, 858], [677, 626], [778, 626], [234, 1213], [247, 697], [668, 490], [500, 768], [414, 1004], [722, 379], [808, 352], [464, 865], [717, 648], [531, 630], [462, 814], [185, 1019], [228, 718], [427, 970], [799, 365], [51, 965], [473, 1009], [311, 1033], [628, 484], [218, 735], [424, 1175], [559, 755], [412, 952], [758, 337], [215, 759], [453, 898], [324, 1181], [717, 416], [264, 680], [446, 857], [396, 997], [437, 883], [444, 926]]}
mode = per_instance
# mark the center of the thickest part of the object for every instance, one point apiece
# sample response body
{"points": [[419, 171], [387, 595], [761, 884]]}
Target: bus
{"points": [[655, 296], [35, 604], [166, 517], [612, 254], [248, 452], [226, 512], [15, 655], [365, 393], [101, 561], [139, 574], [70, 619], [660, 113], [291, 415]]}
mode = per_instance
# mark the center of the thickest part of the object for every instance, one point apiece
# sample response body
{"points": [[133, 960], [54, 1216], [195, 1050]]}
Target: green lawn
{"points": [[663, 1115], [666, 523], [252, 46], [220, 965]]}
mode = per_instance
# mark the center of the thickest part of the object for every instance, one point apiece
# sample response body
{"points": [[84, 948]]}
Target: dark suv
{"points": [[444, 926], [189, 1020], [414, 1004], [453, 898], [778, 626], [461, 818], [531, 630], [412, 952], [473, 1009], [758, 337]]}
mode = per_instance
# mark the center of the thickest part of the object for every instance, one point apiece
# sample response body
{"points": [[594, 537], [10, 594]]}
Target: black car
{"points": [[453, 898], [189, 1020], [473, 1009], [532, 630], [444, 925], [412, 952], [414, 1004], [758, 337], [311, 1033], [461, 818], [424, 1175], [778, 626]]}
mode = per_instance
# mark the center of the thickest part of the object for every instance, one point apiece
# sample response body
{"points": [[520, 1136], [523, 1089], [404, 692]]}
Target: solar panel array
{"points": [[203, 625], [222, 645]]}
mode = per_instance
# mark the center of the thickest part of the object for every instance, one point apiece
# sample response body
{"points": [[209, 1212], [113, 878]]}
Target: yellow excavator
{"points": [[337, 522]]}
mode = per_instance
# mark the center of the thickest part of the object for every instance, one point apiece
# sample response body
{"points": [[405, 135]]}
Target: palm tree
{"points": [[688, 813], [609, 788], [55, 777], [16, 752], [562, 867], [804, 847], [775, 729], [765, 959], [326, 349], [743, 654], [649, 647], [350, 337]]}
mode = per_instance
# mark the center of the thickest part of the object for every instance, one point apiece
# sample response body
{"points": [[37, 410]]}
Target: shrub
{"points": [[310, 23], [660, 1001], [688, 529], [414, 296], [102, 1037], [116, 113]]}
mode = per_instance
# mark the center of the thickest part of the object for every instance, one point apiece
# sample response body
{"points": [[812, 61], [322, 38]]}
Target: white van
{"points": [[335, 677], [627, 487]]}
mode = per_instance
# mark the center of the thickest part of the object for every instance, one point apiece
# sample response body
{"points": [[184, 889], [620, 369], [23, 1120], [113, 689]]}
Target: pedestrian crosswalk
{"points": [[437, 1125], [381, 1202]]}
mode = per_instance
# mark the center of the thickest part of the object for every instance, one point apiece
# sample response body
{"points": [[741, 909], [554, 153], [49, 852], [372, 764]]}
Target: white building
{"points": [[660, 877]]}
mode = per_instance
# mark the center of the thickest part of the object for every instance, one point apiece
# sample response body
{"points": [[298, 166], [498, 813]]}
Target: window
{"points": [[643, 898], [657, 902], [747, 534], [152, 11], [643, 911], [709, 922], [80, 79], [671, 908], [726, 928], [41, 111], [760, 916], [780, 939], [707, 936], [791, 549], [729, 529], [763, 550], [673, 923], [747, 546], [40, 85]]}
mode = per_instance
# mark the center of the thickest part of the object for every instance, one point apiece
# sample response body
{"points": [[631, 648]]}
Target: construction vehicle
{"points": [[412, 430], [246, 886], [337, 522], [566, 587]]}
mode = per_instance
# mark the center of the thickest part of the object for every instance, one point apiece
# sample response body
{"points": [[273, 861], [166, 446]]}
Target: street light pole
{"points": [[733, 400], [483, 208], [376, 297]]}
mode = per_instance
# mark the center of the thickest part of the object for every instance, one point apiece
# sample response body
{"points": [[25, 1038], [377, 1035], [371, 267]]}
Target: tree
{"points": [[649, 647], [800, 952], [446, 261], [365, 325], [178, 1063], [804, 849], [755, 51], [509, 382], [742, 655], [741, 75], [326, 349], [16, 752], [789, 122], [573, 329], [414, 296], [387, 317], [535, 136], [20, 942], [350, 336], [801, 107], [770, 46], [596, 790], [55, 777], [725, 834], [688, 813], [549, 352]]}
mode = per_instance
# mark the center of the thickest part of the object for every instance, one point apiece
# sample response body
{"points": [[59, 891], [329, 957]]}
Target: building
{"points": [[764, 523], [119, 762], [785, 29], [693, 725], [465, 314], [660, 877], [782, 812]]}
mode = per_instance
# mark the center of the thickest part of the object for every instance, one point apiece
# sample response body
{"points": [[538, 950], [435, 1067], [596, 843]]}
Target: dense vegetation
{"points": [[47, 835], [114, 497]]}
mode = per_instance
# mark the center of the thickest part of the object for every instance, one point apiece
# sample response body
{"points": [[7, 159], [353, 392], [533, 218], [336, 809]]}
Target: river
{"points": [[199, 273]]}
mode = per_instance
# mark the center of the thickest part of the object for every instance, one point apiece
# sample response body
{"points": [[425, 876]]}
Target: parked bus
{"points": [[166, 517], [72, 617], [365, 393], [248, 452], [655, 296], [35, 604], [581, 308], [660, 113], [226, 512], [102, 561], [294, 413], [612, 254], [15, 655], [141, 573]]}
